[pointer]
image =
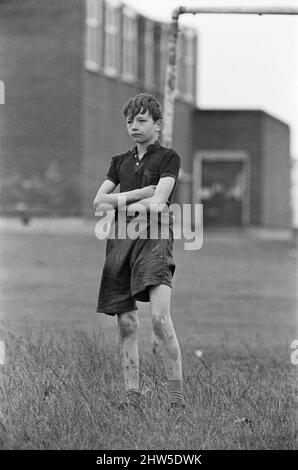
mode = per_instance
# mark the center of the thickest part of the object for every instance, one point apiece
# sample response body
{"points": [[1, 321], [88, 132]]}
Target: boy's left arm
{"points": [[157, 202]]}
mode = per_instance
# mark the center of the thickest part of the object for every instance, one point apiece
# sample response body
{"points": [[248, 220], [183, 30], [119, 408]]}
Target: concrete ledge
{"points": [[53, 225], [270, 233]]}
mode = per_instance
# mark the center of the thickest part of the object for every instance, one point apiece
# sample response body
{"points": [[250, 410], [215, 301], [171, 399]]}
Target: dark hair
{"points": [[140, 104]]}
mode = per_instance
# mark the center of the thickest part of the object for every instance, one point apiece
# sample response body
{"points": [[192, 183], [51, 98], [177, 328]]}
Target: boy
{"points": [[141, 269]]}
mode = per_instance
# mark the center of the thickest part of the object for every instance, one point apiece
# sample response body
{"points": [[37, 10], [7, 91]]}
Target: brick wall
{"points": [[266, 139], [276, 173], [41, 64], [234, 130]]}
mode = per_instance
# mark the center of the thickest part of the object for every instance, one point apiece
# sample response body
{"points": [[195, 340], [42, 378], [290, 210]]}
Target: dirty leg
{"points": [[160, 298], [128, 324]]}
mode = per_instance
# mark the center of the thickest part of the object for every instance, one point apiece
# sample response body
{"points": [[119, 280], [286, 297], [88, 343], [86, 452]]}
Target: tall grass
{"points": [[58, 388]]}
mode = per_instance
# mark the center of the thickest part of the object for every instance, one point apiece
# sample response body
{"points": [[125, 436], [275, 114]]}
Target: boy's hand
{"points": [[147, 191]]}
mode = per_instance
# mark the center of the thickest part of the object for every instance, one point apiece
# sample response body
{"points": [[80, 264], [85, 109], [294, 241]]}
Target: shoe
{"points": [[127, 406], [133, 400], [176, 406], [177, 402]]}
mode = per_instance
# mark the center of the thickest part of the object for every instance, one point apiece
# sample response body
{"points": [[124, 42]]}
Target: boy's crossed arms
{"points": [[149, 197]]}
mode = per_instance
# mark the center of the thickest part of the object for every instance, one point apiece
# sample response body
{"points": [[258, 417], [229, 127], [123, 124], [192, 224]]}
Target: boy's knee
{"points": [[159, 323], [128, 324]]}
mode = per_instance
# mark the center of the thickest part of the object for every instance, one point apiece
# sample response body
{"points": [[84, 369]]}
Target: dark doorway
{"points": [[222, 192]]}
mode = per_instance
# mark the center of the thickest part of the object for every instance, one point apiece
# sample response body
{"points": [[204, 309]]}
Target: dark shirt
{"points": [[133, 173]]}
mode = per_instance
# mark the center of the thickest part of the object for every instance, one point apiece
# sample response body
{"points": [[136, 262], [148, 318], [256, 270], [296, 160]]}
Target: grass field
{"points": [[235, 300]]}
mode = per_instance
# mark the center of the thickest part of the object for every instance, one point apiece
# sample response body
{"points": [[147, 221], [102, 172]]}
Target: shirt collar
{"points": [[150, 148]]}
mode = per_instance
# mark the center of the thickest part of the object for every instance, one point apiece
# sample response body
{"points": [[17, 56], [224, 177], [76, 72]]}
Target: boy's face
{"points": [[143, 129]]}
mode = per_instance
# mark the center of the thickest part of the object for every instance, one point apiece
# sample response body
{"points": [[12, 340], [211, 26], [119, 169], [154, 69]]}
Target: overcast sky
{"points": [[244, 61]]}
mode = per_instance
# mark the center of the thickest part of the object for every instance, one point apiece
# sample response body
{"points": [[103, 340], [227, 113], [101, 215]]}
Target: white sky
{"points": [[244, 61]]}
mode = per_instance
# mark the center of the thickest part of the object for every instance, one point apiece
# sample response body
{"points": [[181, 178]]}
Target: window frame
{"points": [[112, 18], [129, 49], [149, 73], [180, 64], [93, 55], [164, 56]]}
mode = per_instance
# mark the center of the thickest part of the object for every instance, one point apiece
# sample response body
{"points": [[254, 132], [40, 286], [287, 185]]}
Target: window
{"points": [[156, 40], [180, 66], [149, 54], [129, 45], [93, 35], [141, 49], [163, 54], [112, 44]]}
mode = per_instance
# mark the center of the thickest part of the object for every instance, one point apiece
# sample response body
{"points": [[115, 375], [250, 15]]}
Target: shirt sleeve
{"points": [[170, 165], [112, 173]]}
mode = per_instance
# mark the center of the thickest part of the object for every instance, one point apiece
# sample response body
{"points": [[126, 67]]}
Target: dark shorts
{"points": [[131, 266]]}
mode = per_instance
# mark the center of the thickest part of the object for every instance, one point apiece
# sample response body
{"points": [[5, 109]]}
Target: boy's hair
{"points": [[140, 104]]}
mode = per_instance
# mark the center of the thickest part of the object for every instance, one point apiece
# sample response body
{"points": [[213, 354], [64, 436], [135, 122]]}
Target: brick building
{"points": [[41, 64], [126, 53], [70, 65], [241, 168]]}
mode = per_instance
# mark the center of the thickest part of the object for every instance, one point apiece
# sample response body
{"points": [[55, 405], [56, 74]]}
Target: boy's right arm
{"points": [[104, 201]]}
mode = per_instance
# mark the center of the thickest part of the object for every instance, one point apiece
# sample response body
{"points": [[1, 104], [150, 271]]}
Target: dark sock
{"points": [[177, 397], [175, 386]]}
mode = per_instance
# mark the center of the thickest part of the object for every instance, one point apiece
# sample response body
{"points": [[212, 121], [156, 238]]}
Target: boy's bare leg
{"points": [[128, 325], [160, 299]]}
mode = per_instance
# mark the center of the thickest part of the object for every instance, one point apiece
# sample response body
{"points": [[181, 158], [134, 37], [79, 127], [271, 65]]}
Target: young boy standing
{"points": [[141, 269]]}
